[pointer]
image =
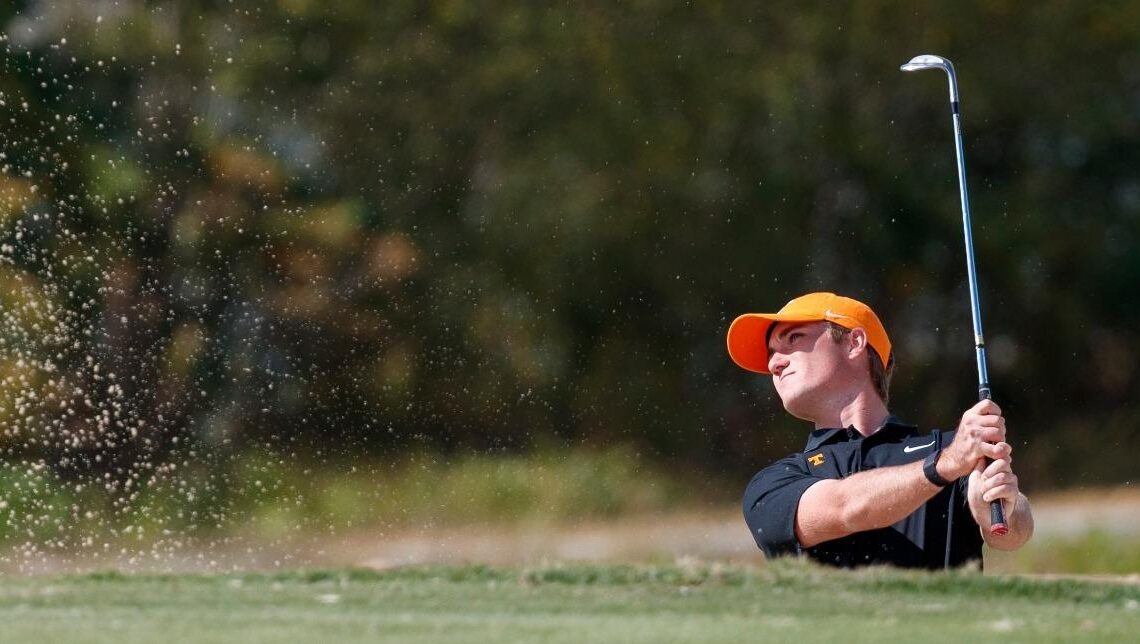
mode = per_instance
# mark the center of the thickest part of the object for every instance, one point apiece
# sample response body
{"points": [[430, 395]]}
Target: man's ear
{"points": [[856, 342]]}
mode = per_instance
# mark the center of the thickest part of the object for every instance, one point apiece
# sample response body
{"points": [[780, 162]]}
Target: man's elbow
{"points": [[857, 515], [1013, 541], [829, 514], [1016, 538], [860, 514], [851, 518]]}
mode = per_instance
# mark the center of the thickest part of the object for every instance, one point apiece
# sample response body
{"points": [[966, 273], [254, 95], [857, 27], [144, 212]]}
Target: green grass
{"points": [[695, 602], [1096, 552]]}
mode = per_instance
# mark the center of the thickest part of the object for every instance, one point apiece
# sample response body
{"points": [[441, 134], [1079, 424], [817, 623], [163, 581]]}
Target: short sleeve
{"points": [[770, 503]]}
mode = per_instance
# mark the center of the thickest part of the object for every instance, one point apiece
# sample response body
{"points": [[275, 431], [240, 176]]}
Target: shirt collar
{"points": [[891, 427]]}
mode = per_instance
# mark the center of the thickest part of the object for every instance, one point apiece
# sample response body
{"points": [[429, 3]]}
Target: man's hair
{"points": [[880, 374]]}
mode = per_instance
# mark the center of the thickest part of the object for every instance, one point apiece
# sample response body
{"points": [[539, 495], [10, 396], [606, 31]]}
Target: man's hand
{"points": [[980, 435], [997, 482], [993, 482]]}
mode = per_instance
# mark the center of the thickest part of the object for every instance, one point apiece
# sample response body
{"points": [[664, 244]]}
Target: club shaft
{"points": [[998, 525], [968, 233], [971, 270]]}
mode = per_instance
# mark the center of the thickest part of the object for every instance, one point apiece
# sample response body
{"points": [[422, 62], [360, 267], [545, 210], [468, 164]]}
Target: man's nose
{"points": [[776, 363]]}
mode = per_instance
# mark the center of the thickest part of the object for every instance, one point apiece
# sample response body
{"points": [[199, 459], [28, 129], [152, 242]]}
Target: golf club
{"points": [[928, 61]]}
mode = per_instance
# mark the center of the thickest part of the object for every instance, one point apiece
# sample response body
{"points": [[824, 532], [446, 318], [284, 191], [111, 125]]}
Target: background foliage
{"points": [[342, 232]]}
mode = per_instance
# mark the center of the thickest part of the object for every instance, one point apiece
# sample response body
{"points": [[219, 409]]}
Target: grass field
{"points": [[694, 602]]}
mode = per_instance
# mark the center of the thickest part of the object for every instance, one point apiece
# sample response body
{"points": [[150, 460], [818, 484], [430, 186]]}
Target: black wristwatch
{"points": [[931, 472]]}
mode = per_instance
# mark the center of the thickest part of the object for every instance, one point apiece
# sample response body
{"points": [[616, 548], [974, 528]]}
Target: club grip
{"points": [[998, 525]]}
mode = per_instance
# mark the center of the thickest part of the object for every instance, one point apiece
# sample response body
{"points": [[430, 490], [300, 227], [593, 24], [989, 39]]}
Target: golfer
{"points": [[868, 488]]}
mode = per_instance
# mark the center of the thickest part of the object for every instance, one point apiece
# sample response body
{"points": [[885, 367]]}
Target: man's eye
{"points": [[792, 337]]}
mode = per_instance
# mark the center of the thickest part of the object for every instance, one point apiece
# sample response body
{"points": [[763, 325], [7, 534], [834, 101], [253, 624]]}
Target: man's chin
{"points": [[797, 409], [803, 416]]}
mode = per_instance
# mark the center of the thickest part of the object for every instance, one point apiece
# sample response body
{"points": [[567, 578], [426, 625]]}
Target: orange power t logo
{"points": [[816, 459]]}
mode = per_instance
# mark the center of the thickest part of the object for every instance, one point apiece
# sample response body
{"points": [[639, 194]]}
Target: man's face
{"points": [[810, 370]]}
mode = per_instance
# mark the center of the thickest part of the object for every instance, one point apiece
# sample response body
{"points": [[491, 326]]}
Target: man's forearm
{"points": [[864, 501]]}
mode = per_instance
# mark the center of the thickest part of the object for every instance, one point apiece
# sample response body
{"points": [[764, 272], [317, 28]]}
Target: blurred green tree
{"points": [[336, 228]]}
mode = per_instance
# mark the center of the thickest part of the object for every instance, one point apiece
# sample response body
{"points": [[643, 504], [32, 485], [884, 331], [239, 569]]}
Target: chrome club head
{"points": [[927, 61], [930, 61]]}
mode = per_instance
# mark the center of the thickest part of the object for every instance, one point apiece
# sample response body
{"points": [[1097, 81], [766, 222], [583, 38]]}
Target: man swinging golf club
{"points": [[868, 488]]}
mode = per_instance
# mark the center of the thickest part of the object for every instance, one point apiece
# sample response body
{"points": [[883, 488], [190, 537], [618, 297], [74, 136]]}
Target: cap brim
{"points": [[748, 338]]}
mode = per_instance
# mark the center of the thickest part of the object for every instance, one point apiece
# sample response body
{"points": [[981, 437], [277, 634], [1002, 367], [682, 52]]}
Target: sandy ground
{"points": [[1115, 511], [711, 535], [717, 535]]}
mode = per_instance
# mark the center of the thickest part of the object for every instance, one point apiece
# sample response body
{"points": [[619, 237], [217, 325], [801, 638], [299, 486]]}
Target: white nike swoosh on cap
{"points": [[832, 314], [908, 449]]}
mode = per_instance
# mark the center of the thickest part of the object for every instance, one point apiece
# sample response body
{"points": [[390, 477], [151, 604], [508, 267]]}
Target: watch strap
{"points": [[931, 471]]}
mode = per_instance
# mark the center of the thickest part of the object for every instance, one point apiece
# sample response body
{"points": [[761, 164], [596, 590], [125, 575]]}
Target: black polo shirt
{"points": [[918, 541]]}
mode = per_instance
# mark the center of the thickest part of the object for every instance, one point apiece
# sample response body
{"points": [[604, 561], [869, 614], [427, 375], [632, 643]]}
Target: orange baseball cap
{"points": [[748, 334]]}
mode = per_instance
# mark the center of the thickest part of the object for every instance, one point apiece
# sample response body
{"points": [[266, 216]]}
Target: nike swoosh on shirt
{"points": [[908, 449]]}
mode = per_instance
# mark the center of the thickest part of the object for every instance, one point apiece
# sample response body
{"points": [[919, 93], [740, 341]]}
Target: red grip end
{"points": [[998, 526]]}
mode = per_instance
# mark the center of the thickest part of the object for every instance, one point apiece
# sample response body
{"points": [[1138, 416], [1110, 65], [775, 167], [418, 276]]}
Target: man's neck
{"points": [[866, 413]]}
